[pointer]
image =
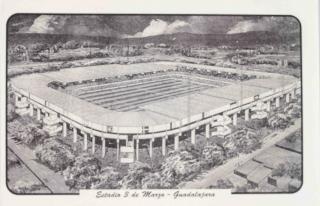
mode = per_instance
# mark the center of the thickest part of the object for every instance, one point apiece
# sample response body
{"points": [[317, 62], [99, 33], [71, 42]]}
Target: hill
{"points": [[32, 38], [185, 39], [241, 39]]}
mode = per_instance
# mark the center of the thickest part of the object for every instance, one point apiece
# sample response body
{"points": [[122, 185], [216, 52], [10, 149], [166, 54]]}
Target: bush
{"points": [[55, 154], [83, 173]]}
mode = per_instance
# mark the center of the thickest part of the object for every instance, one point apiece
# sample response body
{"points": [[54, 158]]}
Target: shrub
{"points": [[55, 154], [83, 173]]}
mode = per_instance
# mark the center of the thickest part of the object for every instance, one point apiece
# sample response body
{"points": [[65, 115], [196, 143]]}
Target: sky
{"points": [[131, 26]]}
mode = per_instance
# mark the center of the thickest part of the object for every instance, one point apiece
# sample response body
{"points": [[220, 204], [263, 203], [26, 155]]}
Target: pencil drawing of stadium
{"points": [[95, 102]]}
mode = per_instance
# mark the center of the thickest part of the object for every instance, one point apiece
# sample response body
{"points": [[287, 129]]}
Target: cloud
{"points": [[90, 25], [249, 25], [124, 26], [47, 24], [212, 24], [275, 24], [158, 27]]}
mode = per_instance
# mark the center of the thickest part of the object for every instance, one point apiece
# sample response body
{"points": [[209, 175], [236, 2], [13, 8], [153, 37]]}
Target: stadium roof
{"points": [[158, 113]]}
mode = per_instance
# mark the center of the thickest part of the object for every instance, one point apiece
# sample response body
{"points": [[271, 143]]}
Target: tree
{"points": [[212, 156], [72, 44], [35, 49], [295, 171], [108, 179], [83, 173], [55, 154], [178, 166], [137, 171]]}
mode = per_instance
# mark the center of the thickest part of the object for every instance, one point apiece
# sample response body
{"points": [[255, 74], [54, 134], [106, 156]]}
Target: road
{"points": [[211, 176], [52, 180]]}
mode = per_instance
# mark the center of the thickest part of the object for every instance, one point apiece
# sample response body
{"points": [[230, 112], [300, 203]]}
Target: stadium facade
{"points": [[159, 114]]}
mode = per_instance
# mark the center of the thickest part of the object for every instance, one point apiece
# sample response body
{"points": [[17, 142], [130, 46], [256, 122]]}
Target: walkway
{"points": [[211, 176]]}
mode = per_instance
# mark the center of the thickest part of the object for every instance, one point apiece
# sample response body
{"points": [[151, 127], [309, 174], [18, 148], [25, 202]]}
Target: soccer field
{"points": [[131, 94]]}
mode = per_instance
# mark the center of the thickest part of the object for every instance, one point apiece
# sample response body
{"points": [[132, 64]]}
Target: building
{"points": [[206, 103]]}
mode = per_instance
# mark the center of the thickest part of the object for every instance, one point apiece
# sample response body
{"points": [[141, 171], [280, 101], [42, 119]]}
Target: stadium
{"points": [[148, 102]]}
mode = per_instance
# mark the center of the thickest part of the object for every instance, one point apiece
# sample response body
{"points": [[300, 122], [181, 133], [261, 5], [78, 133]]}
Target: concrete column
{"points": [[277, 102], [193, 136], [16, 98], [118, 149], [85, 141], [38, 114], [268, 106], [246, 114], [31, 110], [93, 142], [287, 98], [164, 140], [234, 119], [176, 142], [137, 149], [103, 142], [150, 147], [207, 130], [75, 135], [292, 94], [64, 129]]}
